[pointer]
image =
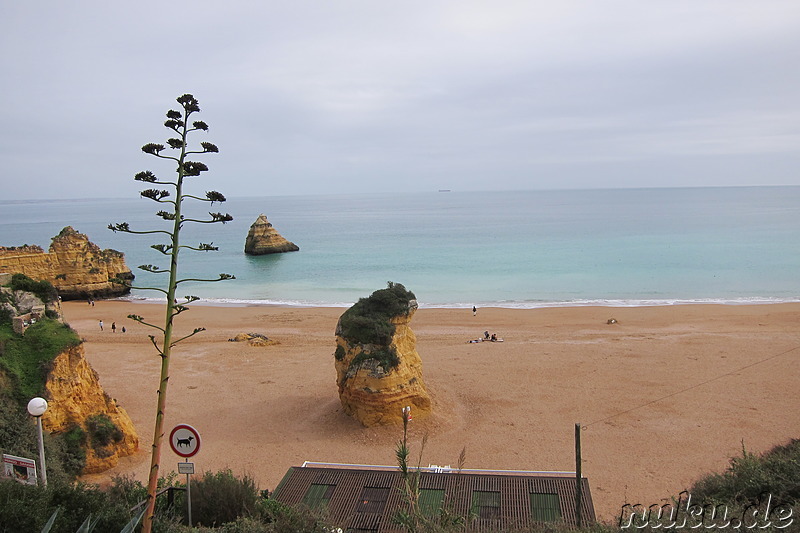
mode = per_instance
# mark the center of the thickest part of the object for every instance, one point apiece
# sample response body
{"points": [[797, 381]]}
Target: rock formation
{"points": [[75, 398], [379, 374], [254, 339], [264, 239], [24, 308], [78, 407], [75, 266]]}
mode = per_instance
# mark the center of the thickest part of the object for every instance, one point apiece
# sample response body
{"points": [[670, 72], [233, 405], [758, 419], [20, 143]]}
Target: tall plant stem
{"points": [[166, 348]]}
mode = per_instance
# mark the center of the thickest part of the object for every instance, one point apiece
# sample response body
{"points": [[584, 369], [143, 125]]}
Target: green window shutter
{"points": [[545, 507], [430, 501], [486, 504], [318, 495]]}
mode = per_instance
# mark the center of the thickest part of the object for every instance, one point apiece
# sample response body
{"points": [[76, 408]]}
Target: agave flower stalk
{"points": [[172, 197]]}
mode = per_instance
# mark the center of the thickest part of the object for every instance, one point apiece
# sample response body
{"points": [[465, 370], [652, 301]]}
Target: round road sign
{"points": [[185, 440]]}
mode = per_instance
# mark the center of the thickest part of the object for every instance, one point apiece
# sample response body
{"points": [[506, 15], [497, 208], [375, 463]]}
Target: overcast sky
{"points": [[342, 96]]}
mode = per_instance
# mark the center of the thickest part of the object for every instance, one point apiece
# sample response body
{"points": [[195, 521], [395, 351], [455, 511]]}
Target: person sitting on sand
{"points": [[494, 337], [486, 335]]}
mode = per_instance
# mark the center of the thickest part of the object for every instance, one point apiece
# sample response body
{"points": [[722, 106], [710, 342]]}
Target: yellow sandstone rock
{"points": [[375, 395], [254, 339], [74, 396], [75, 266], [263, 239]]}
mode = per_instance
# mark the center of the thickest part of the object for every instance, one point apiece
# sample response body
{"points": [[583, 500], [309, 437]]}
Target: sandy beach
{"points": [[664, 395]]}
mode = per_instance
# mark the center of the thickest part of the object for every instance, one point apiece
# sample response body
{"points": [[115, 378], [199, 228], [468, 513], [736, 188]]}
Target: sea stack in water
{"points": [[264, 239], [378, 369]]}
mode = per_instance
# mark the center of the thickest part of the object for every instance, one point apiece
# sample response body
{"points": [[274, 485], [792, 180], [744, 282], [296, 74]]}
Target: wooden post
{"points": [[578, 477]]}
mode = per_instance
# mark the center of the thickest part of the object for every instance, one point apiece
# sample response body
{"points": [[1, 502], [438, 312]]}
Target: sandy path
{"points": [[664, 395]]}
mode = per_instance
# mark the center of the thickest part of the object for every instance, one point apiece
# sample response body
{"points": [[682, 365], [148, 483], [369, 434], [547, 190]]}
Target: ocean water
{"points": [[457, 249]]}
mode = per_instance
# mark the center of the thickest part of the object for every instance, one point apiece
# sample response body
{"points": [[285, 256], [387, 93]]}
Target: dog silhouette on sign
{"points": [[185, 442]]}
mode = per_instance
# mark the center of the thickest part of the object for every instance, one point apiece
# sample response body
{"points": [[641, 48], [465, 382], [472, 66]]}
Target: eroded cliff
{"points": [[74, 265], [76, 399]]}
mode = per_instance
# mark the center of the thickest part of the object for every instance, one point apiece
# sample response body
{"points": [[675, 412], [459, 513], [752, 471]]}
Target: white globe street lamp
{"points": [[36, 408]]}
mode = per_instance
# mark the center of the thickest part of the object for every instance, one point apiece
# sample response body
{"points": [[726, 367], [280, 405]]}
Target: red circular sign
{"points": [[185, 440]]}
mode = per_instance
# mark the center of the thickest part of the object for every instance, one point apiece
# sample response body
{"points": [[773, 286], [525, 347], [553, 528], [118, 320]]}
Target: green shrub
{"points": [[370, 329], [103, 431], [369, 322], [221, 497], [285, 519], [73, 452], [27, 508], [24, 507], [127, 489], [42, 289], [776, 472]]}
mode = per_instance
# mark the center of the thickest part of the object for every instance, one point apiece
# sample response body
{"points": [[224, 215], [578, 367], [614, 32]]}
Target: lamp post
{"points": [[37, 407]]}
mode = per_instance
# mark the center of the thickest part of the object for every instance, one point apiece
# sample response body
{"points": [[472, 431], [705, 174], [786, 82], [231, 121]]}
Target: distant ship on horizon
{"points": [[444, 190]]}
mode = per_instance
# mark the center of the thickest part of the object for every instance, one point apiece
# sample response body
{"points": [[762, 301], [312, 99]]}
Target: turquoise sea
{"points": [[457, 249]]}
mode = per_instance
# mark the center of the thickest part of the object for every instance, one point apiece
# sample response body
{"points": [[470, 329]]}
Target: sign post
{"points": [[185, 441], [19, 468]]}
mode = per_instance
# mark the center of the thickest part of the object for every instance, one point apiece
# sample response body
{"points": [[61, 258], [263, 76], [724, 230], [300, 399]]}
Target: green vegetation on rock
{"points": [[369, 321], [26, 359], [339, 353], [42, 289], [385, 357], [103, 431]]}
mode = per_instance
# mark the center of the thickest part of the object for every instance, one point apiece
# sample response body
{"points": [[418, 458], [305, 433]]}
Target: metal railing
{"points": [[170, 491]]}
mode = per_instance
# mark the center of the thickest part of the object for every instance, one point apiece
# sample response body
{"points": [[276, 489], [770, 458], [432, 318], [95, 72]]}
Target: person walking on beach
{"points": [[474, 310], [101, 325], [113, 327]]}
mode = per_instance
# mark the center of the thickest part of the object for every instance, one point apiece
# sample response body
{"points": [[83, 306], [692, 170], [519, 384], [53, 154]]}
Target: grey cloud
{"points": [[316, 97]]}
